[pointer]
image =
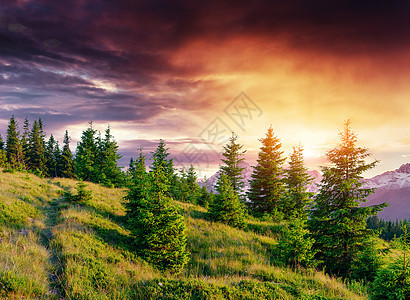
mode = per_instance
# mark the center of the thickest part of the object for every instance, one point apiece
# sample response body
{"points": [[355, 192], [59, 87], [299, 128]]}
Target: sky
{"points": [[192, 72]]}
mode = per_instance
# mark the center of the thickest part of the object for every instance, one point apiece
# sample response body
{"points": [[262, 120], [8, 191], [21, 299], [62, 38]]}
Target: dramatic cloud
{"points": [[167, 69]]}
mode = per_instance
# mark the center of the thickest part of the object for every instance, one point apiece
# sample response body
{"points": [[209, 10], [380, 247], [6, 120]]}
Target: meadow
{"points": [[54, 248]]}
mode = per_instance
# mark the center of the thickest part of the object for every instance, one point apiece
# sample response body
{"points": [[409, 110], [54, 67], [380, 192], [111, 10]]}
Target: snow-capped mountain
{"points": [[391, 180], [392, 187]]}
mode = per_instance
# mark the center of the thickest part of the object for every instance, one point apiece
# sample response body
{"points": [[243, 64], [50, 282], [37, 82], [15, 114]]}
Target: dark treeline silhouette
{"points": [[388, 229]]}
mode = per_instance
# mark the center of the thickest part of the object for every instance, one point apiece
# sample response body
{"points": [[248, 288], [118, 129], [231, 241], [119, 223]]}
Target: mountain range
{"points": [[392, 187]]}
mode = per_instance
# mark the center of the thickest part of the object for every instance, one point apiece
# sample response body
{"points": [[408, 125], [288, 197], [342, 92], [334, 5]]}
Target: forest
{"points": [[326, 232]]}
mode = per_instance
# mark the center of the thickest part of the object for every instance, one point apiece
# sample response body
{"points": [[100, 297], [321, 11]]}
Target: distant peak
{"points": [[405, 168]]}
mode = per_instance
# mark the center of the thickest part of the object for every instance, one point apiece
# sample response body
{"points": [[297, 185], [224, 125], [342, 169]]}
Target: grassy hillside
{"points": [[51, 248]]}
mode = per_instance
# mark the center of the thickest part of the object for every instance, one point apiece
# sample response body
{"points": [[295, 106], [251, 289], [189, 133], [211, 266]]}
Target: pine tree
{"points": [[14, 151], [86, 164], [83, 195], [36, 149], [3, 158], [187, 188], [266, 186], [25, 141], [160, 158], [233, 158], [66, 163], [393, 281], [53, 158], [338, 223], [108, 161], [205, 197], [226, 206], [194, 189], [295, 246], [295, 203], [1, 143], [158, 229], [139, 187]]}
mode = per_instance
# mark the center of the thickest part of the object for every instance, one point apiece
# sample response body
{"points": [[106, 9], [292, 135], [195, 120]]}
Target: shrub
{"points": [[83, 194], [393, 282], [295, 246]]}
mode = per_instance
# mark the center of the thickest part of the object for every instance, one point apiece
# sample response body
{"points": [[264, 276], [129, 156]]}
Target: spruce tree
{"points": [[160, 158], [233, 154], [187, 188], [139, 187], [66, 163], [52, 158], [295, 203], [393, 281], [295, 247], [3, 158], [86, 164], [25, 141], [14, 151], [108, 161], [194, 189], [226, 206], [267, 186], [36, 149], [158, 229], [338, 223], [205, 197]]}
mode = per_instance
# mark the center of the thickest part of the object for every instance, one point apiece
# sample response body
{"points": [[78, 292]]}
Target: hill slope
{"points": [[52, 248]]}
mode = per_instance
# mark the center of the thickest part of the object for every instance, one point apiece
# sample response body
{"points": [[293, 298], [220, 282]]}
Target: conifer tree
{"points": [[233, 154], [3, 158], [158, 229], [226, 206], [25, 141], [139, 187], [111, 174], [52, 158], [187, 189], [393, 281], [66, 159], [205, 197], [295, 246], [36, 152], [160, 158], [14, 151], [192, 185], [266, 186], [85, 161], [295, 203], [131, 167], [338, 223]]}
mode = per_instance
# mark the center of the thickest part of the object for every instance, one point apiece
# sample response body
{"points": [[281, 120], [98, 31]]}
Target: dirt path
{"points": [[52, 211]]}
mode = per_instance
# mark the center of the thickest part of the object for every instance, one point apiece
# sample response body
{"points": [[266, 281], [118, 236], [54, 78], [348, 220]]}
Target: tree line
{"points": [[95, 160], [388, 229]]}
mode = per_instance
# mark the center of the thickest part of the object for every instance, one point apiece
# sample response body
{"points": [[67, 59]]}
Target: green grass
{"points": [[52, 248]]}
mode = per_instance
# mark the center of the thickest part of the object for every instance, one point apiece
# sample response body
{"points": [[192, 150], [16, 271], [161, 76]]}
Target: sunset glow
{"points": [[153, 71]]}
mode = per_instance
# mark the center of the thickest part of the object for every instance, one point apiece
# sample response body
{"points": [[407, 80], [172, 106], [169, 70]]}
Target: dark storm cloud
{"points": [[51, 51]]}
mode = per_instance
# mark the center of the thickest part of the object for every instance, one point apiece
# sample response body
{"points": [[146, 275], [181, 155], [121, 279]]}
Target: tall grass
{"points": [[51, 247]]}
